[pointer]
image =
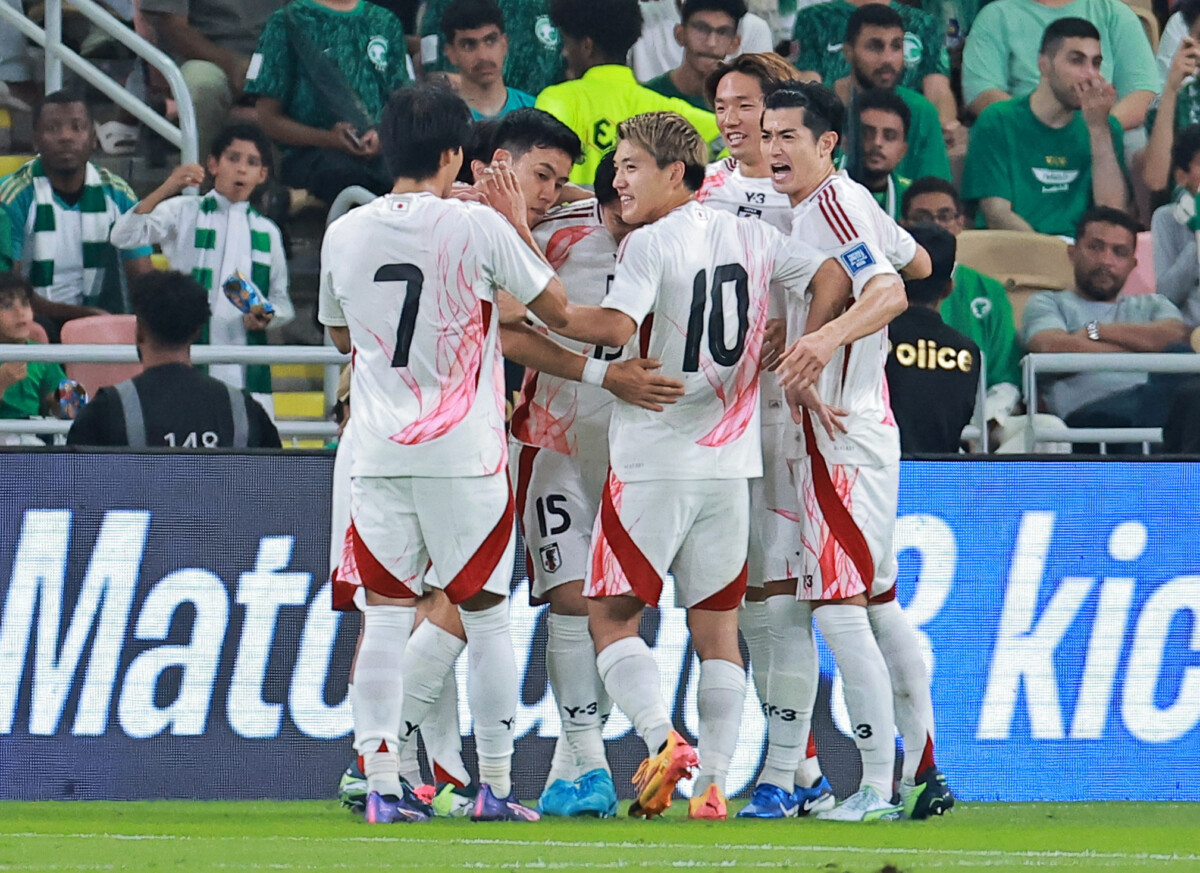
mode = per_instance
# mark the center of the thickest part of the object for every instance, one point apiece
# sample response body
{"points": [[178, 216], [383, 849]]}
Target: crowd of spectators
{"points": [[1026, 115]]}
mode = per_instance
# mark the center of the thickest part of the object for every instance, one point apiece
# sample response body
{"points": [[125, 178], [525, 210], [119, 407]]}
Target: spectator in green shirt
{"points": [[1179, 104], [978, 306], [1001, 58], [477, 45], [323, 72], [708, 33], [820, 31], [1039, 162], [881, 138], [874, 48], [6, 261], [26, 389]]}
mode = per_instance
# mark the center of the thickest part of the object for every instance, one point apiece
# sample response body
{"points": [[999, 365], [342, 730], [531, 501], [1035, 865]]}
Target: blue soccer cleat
{"points": [[558, 799], [390, 809], [819, 798], [489, 807], [770, 801], [596, 795]]}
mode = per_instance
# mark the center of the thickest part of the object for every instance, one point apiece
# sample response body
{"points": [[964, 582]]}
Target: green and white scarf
{"points": [[97, 214]]}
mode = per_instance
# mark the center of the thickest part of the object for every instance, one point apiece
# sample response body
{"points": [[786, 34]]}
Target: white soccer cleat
{"points": [[866, 804]]}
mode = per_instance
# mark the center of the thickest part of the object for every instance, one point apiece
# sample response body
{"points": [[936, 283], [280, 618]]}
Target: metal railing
{"points": [[81, 353], [1044, 364], [182, 136]]}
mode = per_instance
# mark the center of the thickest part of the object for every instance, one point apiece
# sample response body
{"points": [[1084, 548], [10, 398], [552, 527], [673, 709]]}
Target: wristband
{"points": [[593, 372]]}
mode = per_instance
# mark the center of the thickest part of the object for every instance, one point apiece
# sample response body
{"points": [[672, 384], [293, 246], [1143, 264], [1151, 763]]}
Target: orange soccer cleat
{"points": [[709, 805], [657, 776]]}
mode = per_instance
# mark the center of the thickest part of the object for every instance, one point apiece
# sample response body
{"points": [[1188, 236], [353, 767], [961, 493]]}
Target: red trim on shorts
{"points": [[477, 571], [837, 516], [886, 597], [729, 597], [341, 593], [371, 573], [643, 578]]}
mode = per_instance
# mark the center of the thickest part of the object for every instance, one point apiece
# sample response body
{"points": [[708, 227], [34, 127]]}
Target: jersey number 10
{"points": [[722, 353]]}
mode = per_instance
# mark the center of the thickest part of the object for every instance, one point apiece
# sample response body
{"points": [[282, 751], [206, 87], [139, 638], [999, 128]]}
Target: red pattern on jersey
{"points": [[711, 183], [558, 249]]}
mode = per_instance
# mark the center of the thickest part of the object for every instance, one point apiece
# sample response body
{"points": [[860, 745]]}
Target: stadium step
{"points": [[300, 405]]}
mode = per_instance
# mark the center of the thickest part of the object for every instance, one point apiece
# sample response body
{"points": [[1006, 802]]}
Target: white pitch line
{"points": [[1053, 855]]}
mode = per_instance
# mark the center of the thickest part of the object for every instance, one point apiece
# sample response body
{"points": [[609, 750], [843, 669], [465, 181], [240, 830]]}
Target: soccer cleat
{"points": [[426, 792], [558, 798], [770, 801], [816, 799], [389, 809], [866, 804], [709, 806], [454, 802], [930, 795], [657, 776], [352, 788], [595, 794], [489, 807]]}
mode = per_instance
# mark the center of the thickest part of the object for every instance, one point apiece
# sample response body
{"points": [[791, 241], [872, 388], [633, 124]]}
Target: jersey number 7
{"points": [[412, 276], [722, 354]]}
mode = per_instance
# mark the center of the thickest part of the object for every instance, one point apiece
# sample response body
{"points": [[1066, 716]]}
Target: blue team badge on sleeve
{"points": [[857, 259]]}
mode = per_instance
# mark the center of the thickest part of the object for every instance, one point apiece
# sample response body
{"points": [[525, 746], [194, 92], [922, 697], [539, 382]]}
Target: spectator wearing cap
{"points": [[1002, 56], [476, 44], [932, 369], [1038, 162]]}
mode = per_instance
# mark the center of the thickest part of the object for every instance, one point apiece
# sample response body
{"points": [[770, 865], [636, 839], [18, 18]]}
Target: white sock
{"points": [[562, 765], [630, 676], [752, 622], [492, 693], [571, 666], [868, 690], [792, 690], [720, 695], [910, 684], [430, 655], [443, 735], [410, 764], [379, 693]]}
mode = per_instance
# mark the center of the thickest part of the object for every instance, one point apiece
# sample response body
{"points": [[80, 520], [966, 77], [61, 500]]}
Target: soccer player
{"points": [[741, 184], [849, 483], [409, 284], [677, 495]]}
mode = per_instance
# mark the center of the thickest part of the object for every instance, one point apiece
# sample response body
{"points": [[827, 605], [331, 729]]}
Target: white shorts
{"points": [[695, 529], [400, 527], [774, 553], [557, 497], [850, 523]]}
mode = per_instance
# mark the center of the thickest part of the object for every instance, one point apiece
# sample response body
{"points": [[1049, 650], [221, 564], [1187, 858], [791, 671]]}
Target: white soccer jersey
{"points": [[414, 278], [703, 276], [843, 221], [728, 189], [558, 414]]}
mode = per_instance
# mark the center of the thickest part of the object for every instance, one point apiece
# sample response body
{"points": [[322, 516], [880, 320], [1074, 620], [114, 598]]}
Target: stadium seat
{"points": [[1022, 261], [12, 163], [1149, 24], [101, 330], [1142, 279]]}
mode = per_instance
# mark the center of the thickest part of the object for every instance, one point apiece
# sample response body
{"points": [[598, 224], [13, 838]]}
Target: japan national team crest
{"points": [[857, 259], [551, 558]]}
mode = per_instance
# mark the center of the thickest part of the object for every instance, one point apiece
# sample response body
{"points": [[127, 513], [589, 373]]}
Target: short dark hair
{"points": [[1190, 10], [14, 288], [885, 100], [419, 124], [246, 132], [170, 306], [614, 25], [823, 109], [61, 97], [871, 15], [929, 185], [470, 15], [480, 147], [1185, 147], [606, 175], [1106, 215], [768, 68], [735, 9], [1063, 29], [942, 249], [523, 130]]}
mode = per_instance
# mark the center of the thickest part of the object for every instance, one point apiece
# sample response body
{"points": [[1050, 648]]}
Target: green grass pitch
{"points": [[274, 836]]}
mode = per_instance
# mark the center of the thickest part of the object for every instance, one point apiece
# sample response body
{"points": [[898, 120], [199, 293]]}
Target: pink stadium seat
{"points": [[101, 330], [1141, 280]]}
